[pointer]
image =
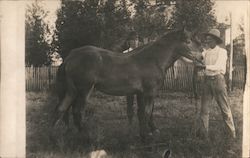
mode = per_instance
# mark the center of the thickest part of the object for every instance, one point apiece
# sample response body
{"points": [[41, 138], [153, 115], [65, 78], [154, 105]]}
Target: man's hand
{"points": [[199, 65]]}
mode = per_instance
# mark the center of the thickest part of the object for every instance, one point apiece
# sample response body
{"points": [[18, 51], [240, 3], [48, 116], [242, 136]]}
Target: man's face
{"points": [[210, 41]]}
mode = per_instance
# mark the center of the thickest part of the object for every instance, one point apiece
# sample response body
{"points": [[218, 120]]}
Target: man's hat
{"points": [[216, 34]]}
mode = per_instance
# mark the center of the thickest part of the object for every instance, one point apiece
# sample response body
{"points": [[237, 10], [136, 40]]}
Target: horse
{"points": [[139, 73], [60, 88]]}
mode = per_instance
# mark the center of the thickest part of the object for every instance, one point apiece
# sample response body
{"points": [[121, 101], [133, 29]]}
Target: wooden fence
{"points": [[178, 78], [239, 77], [40, 78]]}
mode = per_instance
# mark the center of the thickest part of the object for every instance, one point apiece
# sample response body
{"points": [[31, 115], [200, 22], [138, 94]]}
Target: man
{"points": [[214, 87]]}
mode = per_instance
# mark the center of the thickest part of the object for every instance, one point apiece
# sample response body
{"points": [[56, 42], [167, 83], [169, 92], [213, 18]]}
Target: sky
{"points": [[238, 10], [222, 9]]}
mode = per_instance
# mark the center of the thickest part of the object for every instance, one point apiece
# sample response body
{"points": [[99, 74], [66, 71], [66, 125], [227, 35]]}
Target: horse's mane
{"points": [[135, 51], [169, 36], [172, 34], [166, 39]]}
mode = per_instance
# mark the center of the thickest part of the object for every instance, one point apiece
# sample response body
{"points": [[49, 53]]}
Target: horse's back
{"points": [[113, 73], [81, 52], [83, 63], [96, 55]]}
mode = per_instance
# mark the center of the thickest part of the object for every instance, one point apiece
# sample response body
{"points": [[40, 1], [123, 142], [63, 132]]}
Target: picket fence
{"points": [[239, 77], [40, 78], [177, 78]]}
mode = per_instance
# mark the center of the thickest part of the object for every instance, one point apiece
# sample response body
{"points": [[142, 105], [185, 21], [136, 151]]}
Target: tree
{"points": [[148, 21], [108, 23], [90, 22], [77, 24], [37, 50], [196, 15], [116, 25]]}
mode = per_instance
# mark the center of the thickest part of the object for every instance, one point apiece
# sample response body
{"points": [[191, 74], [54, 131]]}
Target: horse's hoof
{"points": [[147, 137], [59, 124], [58, 117], [166, 153], [157, 132]]}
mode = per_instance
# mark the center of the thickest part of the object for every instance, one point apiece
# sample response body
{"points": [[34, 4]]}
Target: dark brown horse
{"points": [[139, 73]]}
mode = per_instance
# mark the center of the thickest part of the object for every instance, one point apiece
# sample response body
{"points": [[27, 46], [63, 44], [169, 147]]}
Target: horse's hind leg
{"points": [[80, 103], [76, 110], [67, 101], [66, 118], [62, 110], [65, 115]]}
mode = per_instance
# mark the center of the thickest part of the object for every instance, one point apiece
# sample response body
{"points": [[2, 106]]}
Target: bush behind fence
{"points": [[177, 78]]}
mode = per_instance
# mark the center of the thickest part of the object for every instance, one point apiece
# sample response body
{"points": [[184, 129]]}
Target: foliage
{"points": [[37, 50], [90, 22], [116, 24], [77, 24], [148, 21], [196, 15], [109, 23]]}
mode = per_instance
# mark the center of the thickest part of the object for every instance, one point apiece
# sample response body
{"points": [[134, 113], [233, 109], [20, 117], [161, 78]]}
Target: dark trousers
{"points": [[214, 87]]}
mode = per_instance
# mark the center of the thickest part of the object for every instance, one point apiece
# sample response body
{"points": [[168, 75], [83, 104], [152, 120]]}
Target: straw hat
{"points": [[216, 34]]}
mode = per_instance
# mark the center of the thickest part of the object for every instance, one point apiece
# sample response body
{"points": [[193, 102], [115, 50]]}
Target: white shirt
{"points": [[215, 60]]}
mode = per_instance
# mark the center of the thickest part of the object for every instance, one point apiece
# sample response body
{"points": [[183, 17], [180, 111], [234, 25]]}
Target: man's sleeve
{"points": [[186, 60]]}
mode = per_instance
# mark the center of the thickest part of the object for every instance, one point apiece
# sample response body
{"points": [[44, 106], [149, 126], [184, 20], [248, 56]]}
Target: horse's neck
{"points": [[167, 60], [162, 54]]}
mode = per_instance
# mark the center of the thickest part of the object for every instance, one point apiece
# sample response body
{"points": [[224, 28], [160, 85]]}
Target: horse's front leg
{"points": [[130, 108], [145, 109], [151, 123]]}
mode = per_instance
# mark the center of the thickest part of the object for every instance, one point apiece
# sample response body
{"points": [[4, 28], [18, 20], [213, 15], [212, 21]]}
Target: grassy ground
{"points": [[106, 123]]}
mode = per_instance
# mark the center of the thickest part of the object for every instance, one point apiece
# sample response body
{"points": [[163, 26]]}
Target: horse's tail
{"points": [[61, 82], [59, 90]]}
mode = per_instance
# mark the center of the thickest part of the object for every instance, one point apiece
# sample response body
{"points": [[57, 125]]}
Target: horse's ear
{"points": [[185, 28], [187, 32], [183, 25]]}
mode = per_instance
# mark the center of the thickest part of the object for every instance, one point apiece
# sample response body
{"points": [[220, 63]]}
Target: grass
{"points": [[106, 122]]}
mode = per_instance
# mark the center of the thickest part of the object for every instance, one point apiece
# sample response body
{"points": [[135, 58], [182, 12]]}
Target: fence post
{"points": [[49, 69], [231, 54]]}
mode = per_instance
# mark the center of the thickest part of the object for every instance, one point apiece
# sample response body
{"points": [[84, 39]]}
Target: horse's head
{"points": [[188, 45]]}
